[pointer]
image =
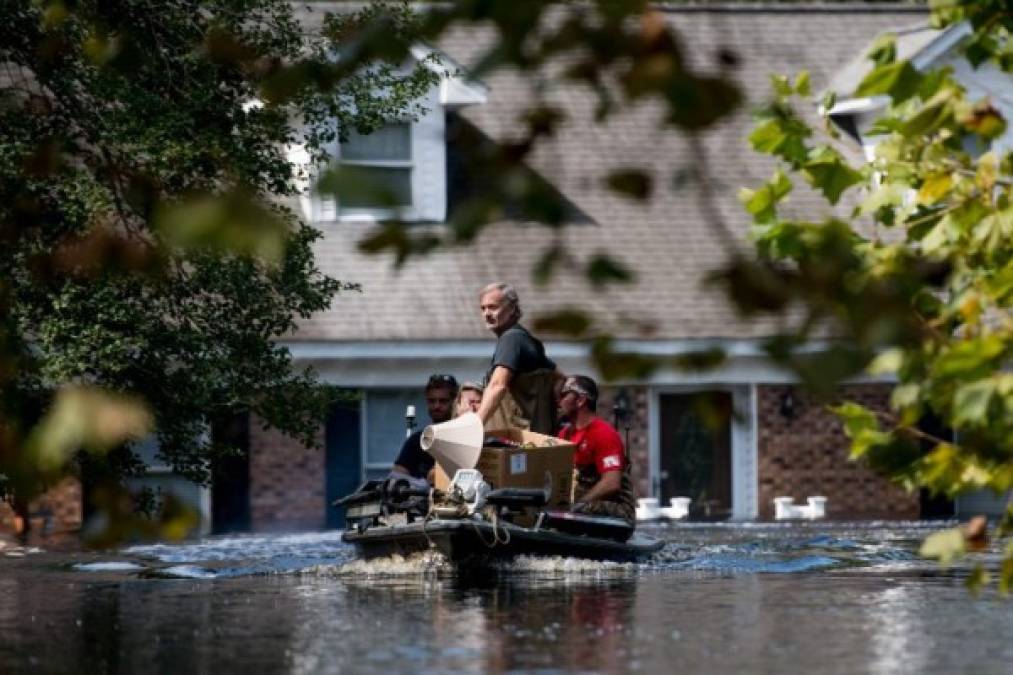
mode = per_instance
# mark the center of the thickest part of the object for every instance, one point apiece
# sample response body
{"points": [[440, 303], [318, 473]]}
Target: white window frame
{"points": [[330, 209]]}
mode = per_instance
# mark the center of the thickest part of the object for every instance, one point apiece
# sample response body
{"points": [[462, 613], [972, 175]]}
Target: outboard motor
{"points": [[383, 502]]}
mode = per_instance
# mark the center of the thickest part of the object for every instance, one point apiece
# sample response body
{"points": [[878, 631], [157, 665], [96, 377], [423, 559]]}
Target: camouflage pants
{"points": [[621, 506]]}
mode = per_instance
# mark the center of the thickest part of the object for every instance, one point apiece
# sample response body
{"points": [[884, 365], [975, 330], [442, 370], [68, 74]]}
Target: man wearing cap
{"points": [[441, 391], [602, 484], [520, 385]]}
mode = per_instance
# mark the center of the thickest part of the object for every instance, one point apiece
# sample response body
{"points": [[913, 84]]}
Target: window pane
{"points": [[379, 188], [386, 143], [385, 425]]}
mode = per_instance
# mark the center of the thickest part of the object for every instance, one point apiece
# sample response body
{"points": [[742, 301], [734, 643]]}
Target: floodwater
{"points": [[759, 598]]}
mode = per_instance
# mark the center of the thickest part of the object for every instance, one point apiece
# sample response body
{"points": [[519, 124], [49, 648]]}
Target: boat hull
{"points": [[469, 541]]}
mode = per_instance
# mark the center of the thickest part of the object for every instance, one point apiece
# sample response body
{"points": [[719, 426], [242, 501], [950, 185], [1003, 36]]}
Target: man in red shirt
{"points": [[601, 469]]}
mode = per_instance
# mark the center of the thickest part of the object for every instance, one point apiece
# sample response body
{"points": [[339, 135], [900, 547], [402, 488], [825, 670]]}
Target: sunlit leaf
{"points": [[985, 120], [86, 418], [971, 402], [762, 202], [945, 546], [234, 223], [887, 362], [898, 79], [934, 188], [802, 85]]}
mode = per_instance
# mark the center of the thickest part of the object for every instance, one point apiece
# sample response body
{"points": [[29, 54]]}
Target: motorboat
{"points": [[471, 523]]}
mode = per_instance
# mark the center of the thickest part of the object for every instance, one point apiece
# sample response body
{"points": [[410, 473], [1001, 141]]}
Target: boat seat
{"points": [[603, 527]]}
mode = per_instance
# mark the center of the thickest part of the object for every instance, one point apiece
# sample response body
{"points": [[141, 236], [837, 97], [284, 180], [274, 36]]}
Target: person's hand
{"points": [[578, 507]]}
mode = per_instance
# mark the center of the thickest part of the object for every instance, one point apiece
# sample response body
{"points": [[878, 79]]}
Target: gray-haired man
{"points": [[521, 380]]}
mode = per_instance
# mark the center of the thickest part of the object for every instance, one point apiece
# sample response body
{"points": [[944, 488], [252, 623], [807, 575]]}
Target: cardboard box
{"points": [[525, 466]]}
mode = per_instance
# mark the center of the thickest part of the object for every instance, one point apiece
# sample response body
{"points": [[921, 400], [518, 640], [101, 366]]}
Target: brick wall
{"points": [[807, 454], [287, 481], [638, 450], [56, 512]]}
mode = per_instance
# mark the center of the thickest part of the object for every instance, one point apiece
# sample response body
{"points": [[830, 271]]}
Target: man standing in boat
{"points": [[520, 385], [441, 392], [601, 470]]}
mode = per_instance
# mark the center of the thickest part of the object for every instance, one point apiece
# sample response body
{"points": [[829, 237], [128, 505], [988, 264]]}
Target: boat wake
{"points": [[721, 550]]}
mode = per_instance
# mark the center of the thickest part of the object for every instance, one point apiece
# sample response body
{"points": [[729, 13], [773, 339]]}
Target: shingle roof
{"points": [[668, 242]]}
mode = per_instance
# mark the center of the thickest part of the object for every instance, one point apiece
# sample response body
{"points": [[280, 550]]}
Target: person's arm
{"points": [[497, 387], [407, 455], [609, 484]]}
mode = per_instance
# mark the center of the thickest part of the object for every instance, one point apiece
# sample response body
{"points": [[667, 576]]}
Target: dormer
{"points": [[408, 158], [927, 49]]}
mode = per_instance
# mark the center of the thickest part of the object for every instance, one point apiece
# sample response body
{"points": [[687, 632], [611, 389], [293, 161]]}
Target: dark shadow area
{"points": [[230, 477], [934, 506], [478, 169], [344, 456]]}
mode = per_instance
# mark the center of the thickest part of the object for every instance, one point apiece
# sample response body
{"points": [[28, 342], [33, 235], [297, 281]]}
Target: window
{"points": [[382, 164]]}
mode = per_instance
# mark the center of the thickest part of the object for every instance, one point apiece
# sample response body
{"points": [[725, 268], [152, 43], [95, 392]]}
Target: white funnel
{"points": [[455, 444]]}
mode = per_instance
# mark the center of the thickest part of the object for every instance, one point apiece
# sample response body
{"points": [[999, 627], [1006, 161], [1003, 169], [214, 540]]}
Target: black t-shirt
{"points": [[414, 458], [520, 351]]}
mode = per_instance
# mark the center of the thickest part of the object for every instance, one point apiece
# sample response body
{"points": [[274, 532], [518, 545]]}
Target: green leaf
{"points": [[830, 174], [971, 402], [884, 50], [632, 183], [762, 203], [887, 362], [969, 359], [545, 268], [602, 270], [572, 323], [86, 418], [615, 365], [934, 188], [802, 86], [899, 80], [234, 223], [977, 580], [857, 418], [701, 360], [782, 136], [781, 85], [905, 395], [945, 546]]}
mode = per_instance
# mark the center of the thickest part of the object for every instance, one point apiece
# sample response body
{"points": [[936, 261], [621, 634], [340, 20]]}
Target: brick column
{"points": [[807, 454], [287, 481], [639, 420]]}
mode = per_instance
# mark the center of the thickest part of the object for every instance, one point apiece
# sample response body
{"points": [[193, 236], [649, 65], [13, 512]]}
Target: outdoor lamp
{"points": [[788, 404], [621, 408]]}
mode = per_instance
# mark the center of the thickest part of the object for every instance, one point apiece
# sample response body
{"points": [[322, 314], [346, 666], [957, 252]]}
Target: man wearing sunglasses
{"points": [[601, 469], [520, 384], [441, 392]]}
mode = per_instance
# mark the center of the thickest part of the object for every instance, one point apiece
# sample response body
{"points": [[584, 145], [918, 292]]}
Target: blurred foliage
{"points": [[916, 282], [150, 260]]}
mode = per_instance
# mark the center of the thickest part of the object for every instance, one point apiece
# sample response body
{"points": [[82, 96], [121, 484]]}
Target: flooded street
{"points": [[827, 598]]}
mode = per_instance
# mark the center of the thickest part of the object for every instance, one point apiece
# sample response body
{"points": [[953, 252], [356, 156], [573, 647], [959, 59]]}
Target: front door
{"points": [[696, 451], [344, 456]]}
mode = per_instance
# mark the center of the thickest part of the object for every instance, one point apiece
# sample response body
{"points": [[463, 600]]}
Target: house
{"points": [[381, 344], [422, 318]]}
